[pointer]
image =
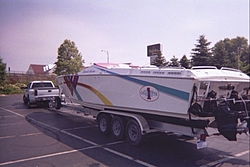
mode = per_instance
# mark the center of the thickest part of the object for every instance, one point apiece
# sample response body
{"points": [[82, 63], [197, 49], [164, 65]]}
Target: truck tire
{"points": [[29, 103], [58, 103], [133, 133], [118, 126], [104, 121], [25, 101]]}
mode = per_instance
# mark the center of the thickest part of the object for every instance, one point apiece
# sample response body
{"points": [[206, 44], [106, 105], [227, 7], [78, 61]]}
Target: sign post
{"points": [[152, 52]]}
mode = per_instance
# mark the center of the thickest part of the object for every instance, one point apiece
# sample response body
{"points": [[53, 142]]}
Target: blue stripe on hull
{"points": [[173, 92]]}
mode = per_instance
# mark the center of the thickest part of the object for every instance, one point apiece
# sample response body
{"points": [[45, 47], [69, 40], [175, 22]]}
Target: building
{"points": [[40, 69]]}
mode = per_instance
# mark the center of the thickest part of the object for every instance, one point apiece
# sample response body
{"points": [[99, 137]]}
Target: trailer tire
{"points": [[104, 123], [118, 126], [133, 133]]}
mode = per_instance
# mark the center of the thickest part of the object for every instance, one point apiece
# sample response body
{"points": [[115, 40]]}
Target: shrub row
{"points": [[14, 82], [12, 88]]}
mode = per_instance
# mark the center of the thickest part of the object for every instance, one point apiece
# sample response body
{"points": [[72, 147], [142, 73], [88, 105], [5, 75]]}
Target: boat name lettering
{"points": [[158, 72], [145, 72], [175, 73], [149, 93]]}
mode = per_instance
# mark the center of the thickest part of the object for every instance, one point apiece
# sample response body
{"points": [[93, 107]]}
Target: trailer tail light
{"points": [[35, 93]]}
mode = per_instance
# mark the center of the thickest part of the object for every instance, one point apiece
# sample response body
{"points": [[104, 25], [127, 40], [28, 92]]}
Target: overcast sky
{"points": [[32, 30]]}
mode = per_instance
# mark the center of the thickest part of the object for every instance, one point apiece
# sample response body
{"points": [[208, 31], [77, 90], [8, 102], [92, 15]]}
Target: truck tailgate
{"points": [[46, 92]]}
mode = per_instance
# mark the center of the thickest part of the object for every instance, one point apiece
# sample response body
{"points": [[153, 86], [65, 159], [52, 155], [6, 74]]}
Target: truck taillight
{"points": [[203, 137], [35, 93]]}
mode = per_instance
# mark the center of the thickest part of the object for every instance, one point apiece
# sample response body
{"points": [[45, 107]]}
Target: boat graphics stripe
{"points": [[72, 82], [167, 90], [101, 96]]}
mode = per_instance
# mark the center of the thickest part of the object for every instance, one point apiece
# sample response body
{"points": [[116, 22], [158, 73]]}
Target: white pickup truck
{"points": [[43, 92]]}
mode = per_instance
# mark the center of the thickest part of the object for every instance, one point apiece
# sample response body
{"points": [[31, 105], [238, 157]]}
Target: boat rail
{"points": [[203, 67], [230, 69]]}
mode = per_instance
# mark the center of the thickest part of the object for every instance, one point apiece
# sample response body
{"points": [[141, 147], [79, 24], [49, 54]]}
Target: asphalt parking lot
{"points": [[42, 137]]}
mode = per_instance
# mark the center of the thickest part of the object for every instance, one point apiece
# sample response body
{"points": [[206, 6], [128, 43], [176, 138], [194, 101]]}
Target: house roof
{"points": [[37, 68]]}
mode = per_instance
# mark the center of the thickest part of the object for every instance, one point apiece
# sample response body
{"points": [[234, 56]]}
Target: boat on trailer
{"points": [[185, 101]]}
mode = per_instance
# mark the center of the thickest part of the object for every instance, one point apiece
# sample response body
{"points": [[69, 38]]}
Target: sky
{"points": [[31, 31]]}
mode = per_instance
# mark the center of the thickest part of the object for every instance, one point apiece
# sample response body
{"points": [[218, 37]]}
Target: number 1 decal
{"points": [[149, 93]]}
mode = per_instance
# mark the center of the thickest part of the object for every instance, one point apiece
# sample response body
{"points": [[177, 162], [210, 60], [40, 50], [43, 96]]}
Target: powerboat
{"points": [[200, 97]]}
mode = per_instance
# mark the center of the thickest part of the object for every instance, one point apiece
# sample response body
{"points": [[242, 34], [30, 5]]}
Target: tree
{"points": [[160, 60], [239, 48], [174, 62], [184, 62], [69, 59], [233, 53], [244, 54], [2, 71], [201, 55], [221, 57]]}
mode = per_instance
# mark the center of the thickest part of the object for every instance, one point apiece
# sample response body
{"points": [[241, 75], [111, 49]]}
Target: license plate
{"points": [[46, 98], [201, 144]]}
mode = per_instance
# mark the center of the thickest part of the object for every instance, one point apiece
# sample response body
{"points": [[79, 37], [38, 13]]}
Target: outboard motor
{"points": [[239, 106], [211, 105], [227, 115]]}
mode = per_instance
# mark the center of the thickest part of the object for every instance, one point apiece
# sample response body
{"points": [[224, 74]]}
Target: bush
{"points": [[20, 85], [12, 88]]}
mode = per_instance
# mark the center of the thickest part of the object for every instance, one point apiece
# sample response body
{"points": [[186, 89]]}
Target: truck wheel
{"points": [[28, 102], [58, 103], [118, 127], [25, 101], [133, 132], [104, 121]]}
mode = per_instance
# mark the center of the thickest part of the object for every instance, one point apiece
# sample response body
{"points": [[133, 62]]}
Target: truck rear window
{"points": [[38, 85]]}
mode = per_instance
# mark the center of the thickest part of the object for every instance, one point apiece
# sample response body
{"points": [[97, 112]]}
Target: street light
{"points": [[107, 52]]}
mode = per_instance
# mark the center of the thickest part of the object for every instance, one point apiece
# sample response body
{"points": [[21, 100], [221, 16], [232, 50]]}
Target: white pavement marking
{"points": [[44, 156], [14, 123], [95, 145], [12, 112], [24, 135], [226, 158]]}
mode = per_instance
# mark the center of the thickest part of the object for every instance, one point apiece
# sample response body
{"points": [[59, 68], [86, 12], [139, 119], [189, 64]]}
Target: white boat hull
{"points": [[161, 96], [175, 96]]}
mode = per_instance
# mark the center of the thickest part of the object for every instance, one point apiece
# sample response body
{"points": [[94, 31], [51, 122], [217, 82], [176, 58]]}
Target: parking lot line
{"points": [[12, 112], [38, 157], [24, 135], [10, 124], [95, 145]]}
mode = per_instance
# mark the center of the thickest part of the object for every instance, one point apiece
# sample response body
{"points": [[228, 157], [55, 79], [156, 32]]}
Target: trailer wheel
{"points": [[118, 127], [104, 121], [133, 132]]}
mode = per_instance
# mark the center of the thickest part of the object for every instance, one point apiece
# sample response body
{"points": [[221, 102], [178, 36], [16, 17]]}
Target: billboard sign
{"points": [[152, 50]]}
